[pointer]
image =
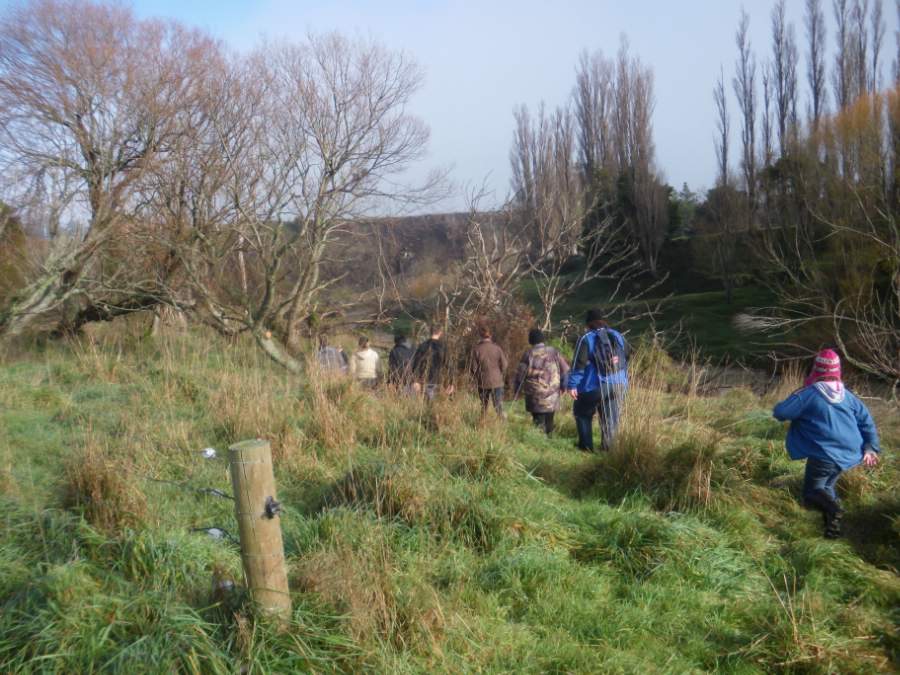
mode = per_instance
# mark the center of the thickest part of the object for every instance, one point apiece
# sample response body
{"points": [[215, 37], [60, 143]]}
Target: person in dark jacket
{"points": [[489, 369], [429, 364], [598, 380], [541, 376], [832, 430], [400, 362]]}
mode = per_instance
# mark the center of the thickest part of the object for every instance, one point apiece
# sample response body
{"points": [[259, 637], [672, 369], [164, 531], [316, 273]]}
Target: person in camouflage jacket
{"points": [[541, 376]]}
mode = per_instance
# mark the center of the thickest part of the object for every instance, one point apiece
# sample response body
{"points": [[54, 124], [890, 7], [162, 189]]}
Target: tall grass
{"points": [[419, 537]]}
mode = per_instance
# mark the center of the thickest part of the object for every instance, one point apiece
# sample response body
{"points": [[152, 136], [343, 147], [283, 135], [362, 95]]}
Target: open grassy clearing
{"points": [[418, 539]]}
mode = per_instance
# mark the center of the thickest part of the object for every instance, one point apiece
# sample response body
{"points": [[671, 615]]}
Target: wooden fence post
{"points": [[256, 508]]}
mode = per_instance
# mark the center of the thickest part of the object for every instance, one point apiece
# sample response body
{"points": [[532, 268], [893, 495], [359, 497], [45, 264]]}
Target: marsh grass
{"points": [[419, 537]]}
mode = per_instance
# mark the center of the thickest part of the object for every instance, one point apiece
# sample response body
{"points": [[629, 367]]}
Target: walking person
{"points": [[832, 430], [400, 363], [541, 376], [364, 364], [331, 360], [429, 365], [598, 380], [489, 370]]}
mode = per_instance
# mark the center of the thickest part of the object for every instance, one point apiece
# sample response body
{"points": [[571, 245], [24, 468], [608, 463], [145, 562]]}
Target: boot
{"points": [[833, 524]]}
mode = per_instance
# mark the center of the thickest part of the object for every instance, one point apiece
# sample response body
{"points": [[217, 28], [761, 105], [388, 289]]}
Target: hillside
{"points": [[418, 539]]}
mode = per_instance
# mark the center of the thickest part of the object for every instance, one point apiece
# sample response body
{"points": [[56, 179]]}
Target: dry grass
{"points": [[104, 489]]}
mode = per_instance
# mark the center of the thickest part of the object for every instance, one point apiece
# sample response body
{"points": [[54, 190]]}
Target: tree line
{"points": [[149, 166]]}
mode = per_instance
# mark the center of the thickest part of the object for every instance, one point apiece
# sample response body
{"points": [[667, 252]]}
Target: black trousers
{"points": [[491, 394], [543, 421]]}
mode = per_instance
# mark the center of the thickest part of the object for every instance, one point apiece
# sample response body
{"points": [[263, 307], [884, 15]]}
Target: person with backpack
{"points": [[331, 360], [489, 365], [541, 375], [364, 364], [400, 362], [598, 380], [832, 430], [430, 364]]}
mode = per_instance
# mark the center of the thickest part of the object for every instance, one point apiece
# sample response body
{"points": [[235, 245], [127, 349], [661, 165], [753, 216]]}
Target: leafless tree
{"points": [[593, 101], [313, 137], [723, 129], [842, 62], [768, 135], [550, 205], [815, 59], [91, 99], [744, 84], [878, 30], [859, 15], [784, 76]]}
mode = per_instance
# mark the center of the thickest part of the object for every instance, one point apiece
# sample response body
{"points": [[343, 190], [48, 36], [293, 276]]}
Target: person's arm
{"points": [[579, 364], [563, 371], [792, 407], [504, 362], [521, 372], [353, 365], [871, 446]]}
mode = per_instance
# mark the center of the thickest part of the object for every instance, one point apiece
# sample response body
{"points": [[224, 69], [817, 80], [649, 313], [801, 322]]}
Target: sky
{"points": [[482, 59]]}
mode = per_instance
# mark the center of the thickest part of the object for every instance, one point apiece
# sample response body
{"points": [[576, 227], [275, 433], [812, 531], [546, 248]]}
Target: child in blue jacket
{"points": [[832, 430]]}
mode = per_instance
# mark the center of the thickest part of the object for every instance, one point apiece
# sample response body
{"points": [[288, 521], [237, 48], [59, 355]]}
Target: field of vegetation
{"points": [[418, 538]]}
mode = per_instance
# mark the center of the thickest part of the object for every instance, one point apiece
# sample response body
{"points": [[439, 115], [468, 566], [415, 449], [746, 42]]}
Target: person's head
{"points": [[363, 342], [826, 368], [535, 336], [484, 332], [594, 319], [399, 339], [436, 331], [323, 341]]}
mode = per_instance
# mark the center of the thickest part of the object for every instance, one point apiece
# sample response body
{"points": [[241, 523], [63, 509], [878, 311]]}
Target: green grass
{"points": [[418, 539]]}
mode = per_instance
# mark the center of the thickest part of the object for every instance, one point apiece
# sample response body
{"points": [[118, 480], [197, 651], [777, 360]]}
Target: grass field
{"points": [[418, 538]]}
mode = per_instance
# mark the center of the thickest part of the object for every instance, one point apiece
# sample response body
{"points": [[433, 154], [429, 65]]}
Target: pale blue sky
{"points": [[483, 58]]}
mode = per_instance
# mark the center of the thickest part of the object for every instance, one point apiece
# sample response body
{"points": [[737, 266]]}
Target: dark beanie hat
{"points": [[535, 336], [593, 315], [398, 338]]}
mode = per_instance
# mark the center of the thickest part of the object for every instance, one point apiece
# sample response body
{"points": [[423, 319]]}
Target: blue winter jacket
{"points": [[584, 375], [827, 425]]}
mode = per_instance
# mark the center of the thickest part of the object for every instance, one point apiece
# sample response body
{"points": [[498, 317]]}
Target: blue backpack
{"points": [[609, 354]]}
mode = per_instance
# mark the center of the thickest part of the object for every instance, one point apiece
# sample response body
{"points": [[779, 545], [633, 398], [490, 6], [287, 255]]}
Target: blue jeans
{"points": [[818, 485], [607, 402]]}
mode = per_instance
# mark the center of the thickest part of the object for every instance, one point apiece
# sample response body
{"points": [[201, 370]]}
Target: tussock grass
{"points": [[419, 537]]}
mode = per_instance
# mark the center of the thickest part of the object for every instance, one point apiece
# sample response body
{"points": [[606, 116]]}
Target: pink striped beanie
{"points": [[827, 366]]}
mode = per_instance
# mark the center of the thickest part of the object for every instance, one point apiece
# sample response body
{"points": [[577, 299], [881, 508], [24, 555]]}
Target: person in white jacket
{"points": [[364, 364]]}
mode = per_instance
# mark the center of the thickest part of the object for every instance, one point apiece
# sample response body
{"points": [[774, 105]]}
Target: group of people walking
{"points": [[830, 427], [597, 380]]}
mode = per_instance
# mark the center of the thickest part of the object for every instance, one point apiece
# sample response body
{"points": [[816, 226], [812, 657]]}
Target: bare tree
{"points": [[784, 76], [766, 121], [719, 215], [815, 59], [723, 128], [549, 209], [842, 60], [91, 99], [744, 84], [593, 100], [312, 137], [878, 30]]}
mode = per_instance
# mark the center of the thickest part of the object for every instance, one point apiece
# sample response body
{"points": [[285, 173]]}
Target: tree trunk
{"points": [[276, 352]]}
